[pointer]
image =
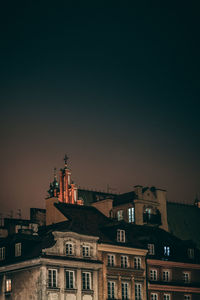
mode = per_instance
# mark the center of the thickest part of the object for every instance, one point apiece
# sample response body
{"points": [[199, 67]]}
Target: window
{"points": [[120, 215], [111, 290], [86, 281], [138, 291], [18, 249], [124, 261], [153, 274], [131, 214], [137, 263], [125, 290], [154, 296], [151, 249], [187, 297], [186, 277], [52, 278], [190, 253], [70, 281], [121, 235], [8, 285], [166, 250], [69, 249], [111, 260], [166, 297], [166, 275], [86, 251], [2, 253]]}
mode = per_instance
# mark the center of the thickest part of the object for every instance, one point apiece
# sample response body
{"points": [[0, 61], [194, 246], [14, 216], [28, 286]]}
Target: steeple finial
{"points": [[66, 159]]}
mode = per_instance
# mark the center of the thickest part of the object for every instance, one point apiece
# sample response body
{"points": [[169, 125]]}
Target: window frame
{"points": [[154, 296], [151, 249], [2, 253], [125, 290], [166, 296], [69, 248], [121, 235], [86, 251], [120, 215], [186, 277], [138, 291], [111, 260], [8, 285], [50, 283], [167, 251], [166, 275], [131, 214], [124, 261], [18, 249], [68, 285], [111, 289], [86, 281], [153, 274], [137, 263], [187, 297]]}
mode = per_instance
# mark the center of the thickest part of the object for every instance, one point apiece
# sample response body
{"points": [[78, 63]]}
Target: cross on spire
{"points": [[66, 159]]}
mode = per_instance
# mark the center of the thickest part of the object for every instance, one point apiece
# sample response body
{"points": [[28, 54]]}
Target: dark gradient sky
{"points": [[114, 86]]}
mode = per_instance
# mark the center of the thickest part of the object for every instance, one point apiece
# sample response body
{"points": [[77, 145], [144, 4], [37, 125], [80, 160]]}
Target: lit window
{"points": [[138, 291], [18, 247], [121, 235], [52, 278], [166, 275], [131, 215], [8, 285], [2, 253], [124, 261], [86, 281], [151, 249], [120, 215], [153, 274], [69, 249], [186, 277], [86, 251], [187, 297], [166, 297], [166, 250], [191, 253], [154, 296], [111, 290], [137, 262], [111, 260], [70, 282], [125, 290]]}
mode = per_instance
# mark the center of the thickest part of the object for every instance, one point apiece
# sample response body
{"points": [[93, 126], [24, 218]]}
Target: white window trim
{"points": [[86, 250], [69, 244], [120, 215], [166, 296], [127, 290], [188, 276], [169, 275], [18, 249], [153, 275], [110, 286], [131, 214], [124, 261], [121, 236], [138, 288], [8, 287], [51, 284], [137, 263], [110, 261], [151, 249], [73, 275], [154, 296], [90, 280]]}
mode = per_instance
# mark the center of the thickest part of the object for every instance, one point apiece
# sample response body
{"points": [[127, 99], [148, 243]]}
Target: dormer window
{"points": [[69, 249], [121, 235], [166, 251], [120, 215], [18, 249], [190, 253], [151, 249], [131, 214], [86, 251]]}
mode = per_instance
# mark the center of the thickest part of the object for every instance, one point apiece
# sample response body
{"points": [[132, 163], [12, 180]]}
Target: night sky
{"points": [[114, 86]]}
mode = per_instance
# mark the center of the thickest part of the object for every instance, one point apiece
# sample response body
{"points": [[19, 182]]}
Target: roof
{"points": [[92, 196], [124, 198], [184, 221]]}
